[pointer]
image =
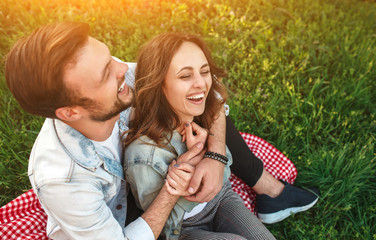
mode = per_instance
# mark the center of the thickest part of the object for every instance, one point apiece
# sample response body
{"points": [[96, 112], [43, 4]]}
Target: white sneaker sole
{"points": [[270, 218]]}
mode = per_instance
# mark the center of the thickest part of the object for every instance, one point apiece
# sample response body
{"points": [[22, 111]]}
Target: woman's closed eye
{"points": [[185, 76], [206, 72]]}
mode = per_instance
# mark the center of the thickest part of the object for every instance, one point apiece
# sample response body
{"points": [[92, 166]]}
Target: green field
{"points": [[302, 75]]}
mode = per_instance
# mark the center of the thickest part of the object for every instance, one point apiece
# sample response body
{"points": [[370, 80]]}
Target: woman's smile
{"points": [[196, 98]]}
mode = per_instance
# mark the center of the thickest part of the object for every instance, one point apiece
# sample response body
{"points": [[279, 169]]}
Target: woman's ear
{"points": [[68, 114]]}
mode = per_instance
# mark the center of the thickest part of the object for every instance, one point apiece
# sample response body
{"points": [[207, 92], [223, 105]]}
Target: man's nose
{"points": [[122, 68]]}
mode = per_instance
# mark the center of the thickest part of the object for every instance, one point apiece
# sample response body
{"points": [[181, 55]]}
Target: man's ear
{"points": [[68, 114]]}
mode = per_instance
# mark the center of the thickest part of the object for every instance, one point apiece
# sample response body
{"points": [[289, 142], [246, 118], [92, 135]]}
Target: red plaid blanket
{"points": [[24, 218], [275, 163]]}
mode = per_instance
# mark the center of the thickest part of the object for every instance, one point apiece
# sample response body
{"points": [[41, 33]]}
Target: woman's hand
{"points": [[193, 133], [178, 178]]}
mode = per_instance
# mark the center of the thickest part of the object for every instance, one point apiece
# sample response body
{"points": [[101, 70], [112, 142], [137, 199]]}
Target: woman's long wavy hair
{"points": [[154, 116]]}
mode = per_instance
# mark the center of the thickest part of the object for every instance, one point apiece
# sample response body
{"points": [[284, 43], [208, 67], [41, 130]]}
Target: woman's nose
{"points": [[199, 81]]}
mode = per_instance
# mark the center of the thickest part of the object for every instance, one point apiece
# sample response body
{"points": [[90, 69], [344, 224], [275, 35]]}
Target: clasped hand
{"points": [[180, 172]]}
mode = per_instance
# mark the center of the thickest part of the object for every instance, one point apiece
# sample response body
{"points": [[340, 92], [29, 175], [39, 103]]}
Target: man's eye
{"points": [[108, 72]]}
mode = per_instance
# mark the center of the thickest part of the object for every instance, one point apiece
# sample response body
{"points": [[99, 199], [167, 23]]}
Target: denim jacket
{"points": [[81, 187], [146, 167]]}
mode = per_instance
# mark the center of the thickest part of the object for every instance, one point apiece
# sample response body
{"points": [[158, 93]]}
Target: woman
{"points": [[176, 84]]}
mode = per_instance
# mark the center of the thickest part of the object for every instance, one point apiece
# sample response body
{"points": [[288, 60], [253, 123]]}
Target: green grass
{"points": [[301, 75]]}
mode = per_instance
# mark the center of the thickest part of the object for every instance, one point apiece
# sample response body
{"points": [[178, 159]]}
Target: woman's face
{"points": [[188, 81]]}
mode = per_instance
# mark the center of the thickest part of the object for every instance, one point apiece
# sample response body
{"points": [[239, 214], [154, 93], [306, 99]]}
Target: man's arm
{"points": [[208, 176], [160, 208], [79, 209], [217, 135]]}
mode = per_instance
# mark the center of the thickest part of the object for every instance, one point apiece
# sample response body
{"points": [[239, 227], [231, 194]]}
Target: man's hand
{"points": [[207, 180], [193, 159], [157, 213]]}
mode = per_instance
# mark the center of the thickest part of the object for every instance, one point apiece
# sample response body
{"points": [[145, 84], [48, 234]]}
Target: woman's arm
{"points": [[208, 176]]}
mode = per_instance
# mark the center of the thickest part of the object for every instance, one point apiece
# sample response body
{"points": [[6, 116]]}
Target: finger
{"points": [[188, 128], [191, 153], [172, 171], [173, 174], [195, 160], [175, 192], [171, 190], [196, 128], [181, 183], [169, 168], [182, 174], [172, 182], [189, 134], [186, 167], [201, 133], [199, 197], [206, 193], [182, 133], [195, 182], [171, 164]]}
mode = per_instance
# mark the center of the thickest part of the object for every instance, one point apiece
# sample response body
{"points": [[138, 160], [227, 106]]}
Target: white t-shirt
{"points": [[195, 210], [112, 143]]}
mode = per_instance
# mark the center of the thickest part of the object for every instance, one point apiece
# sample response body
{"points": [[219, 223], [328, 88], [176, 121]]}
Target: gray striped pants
{"points": [[226, 218]]}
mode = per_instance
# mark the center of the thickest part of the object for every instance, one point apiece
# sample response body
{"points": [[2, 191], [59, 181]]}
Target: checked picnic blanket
{"points": [[274, 162], [24, 218]]}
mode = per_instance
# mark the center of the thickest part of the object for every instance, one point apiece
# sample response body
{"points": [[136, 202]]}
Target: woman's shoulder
{"points": [[139, 147], [144, 150]]}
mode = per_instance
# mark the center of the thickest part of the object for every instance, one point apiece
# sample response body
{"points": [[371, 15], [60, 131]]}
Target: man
{"points": [[61, 73]]}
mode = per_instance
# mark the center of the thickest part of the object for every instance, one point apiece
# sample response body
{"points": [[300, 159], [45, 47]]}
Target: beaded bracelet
{"points": [[216, 156]]}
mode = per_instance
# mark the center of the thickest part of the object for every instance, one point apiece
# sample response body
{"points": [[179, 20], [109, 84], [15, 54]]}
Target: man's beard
{"points": [[99, 115]]}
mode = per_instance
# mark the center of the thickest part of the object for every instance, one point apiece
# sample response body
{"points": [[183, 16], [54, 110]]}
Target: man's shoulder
{"points": [[49, 160]]}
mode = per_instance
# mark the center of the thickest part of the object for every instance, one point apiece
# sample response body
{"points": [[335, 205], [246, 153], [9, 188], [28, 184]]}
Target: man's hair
{"points": [[35, 66], [154, 116]]}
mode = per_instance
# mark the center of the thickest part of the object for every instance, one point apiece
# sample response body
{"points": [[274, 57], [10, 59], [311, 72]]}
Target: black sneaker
{"points": [[291, 200]]}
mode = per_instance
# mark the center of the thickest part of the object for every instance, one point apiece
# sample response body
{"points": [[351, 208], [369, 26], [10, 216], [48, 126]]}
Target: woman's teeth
{"points": [[195, 97]]}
